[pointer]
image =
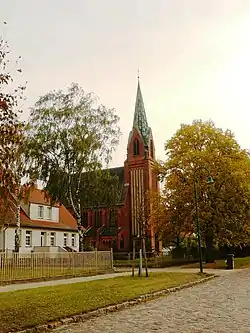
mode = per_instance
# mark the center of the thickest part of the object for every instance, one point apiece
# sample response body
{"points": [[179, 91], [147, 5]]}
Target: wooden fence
{"points": [[35, 266]]}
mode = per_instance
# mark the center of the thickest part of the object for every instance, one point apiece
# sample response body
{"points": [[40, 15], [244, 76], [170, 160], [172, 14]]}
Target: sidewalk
{"points": [[32, 285]]}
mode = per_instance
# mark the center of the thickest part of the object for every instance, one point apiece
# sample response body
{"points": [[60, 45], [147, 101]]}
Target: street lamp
{"points": [[209, 181]]}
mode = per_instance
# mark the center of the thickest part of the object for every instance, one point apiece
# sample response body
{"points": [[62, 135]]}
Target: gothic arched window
{"points": [[85, 219], [122, 242], [136, 147]]}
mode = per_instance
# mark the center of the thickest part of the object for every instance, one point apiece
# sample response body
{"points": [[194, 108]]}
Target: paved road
{"points": [[219, 306]]}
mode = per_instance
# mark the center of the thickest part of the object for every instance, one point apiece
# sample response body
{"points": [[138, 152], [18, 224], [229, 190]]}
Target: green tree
{"points": [[69, 137], [200, 150], [11, 134], [98, 189]]}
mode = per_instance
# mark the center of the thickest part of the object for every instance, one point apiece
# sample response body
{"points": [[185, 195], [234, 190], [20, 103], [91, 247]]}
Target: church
{"points": [[136, 177]]}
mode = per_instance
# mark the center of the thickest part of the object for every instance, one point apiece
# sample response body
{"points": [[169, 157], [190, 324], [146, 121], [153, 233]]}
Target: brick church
{"points": [[136, 178]]}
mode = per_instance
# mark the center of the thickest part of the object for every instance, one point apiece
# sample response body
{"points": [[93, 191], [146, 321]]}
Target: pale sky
{"points": [[193, 55]]}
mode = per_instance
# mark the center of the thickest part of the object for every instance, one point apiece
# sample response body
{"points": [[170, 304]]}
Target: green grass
{"points": [[220, 264], [28, 308], [15, 275]]}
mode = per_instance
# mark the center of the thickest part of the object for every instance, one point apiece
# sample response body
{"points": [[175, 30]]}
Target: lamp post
{"points": [[209, 181]]}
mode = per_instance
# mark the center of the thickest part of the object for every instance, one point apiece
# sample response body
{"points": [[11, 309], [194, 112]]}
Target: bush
{"points": [[155, 262]]}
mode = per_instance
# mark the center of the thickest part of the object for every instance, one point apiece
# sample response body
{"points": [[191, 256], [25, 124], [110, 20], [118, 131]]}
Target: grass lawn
{"points": [[220, 264], [21, 274], [27, 308]]}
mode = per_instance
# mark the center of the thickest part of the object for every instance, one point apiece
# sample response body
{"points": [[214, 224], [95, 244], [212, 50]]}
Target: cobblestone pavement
{"points": [[218, 306]]}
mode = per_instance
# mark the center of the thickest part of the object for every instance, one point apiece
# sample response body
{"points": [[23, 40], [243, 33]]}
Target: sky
{"points": [[193, 55]]}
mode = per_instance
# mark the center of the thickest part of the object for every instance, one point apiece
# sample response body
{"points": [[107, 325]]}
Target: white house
{"points": [[43, 227]]}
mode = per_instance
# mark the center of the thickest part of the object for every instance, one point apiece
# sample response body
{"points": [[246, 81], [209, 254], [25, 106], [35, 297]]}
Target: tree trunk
{"points": [[209, 249], [133, 260], [81, 236], [145, 256], [17, 231], [177, 252]]}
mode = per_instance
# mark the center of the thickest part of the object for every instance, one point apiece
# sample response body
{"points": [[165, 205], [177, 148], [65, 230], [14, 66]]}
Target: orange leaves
{"points": [[159, 215], [7, 208], [3, 105]]}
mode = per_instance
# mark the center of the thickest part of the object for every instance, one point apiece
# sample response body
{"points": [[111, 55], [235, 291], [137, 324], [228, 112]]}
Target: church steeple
{"points": [[139, 168], [140, 118]]}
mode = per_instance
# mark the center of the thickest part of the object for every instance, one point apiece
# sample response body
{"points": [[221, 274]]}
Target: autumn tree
{"points": [[11, 132], [171, 216], [195, 152], [69, 137], [7, 211]]}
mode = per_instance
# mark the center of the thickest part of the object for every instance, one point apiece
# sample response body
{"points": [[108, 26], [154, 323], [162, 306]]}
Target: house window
{"points": [[43, 238], [52, 239], [73, 240], [28, 241], [65, 240], [40, 212], [136, 147], [49, 213]]}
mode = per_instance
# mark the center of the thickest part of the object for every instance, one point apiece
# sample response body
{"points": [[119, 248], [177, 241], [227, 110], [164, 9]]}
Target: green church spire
{"points": [[140, 118]]}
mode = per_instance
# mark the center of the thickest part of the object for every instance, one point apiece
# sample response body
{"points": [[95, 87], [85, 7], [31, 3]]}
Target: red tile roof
{"points": [[39, 197], [66, 220]]}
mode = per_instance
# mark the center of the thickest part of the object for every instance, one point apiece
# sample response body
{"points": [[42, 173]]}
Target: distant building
{"points": [[136, 177], [42, 225]]}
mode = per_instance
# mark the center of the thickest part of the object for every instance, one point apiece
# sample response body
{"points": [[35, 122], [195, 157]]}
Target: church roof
{"points": [[110, 231], [107, 231], [119, 172], [140, 118]]}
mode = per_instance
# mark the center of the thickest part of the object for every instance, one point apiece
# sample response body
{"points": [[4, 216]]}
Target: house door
{"points": [[43, 238]]}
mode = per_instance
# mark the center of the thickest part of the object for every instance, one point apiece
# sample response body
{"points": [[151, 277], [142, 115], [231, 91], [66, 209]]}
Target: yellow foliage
{"points": [[197, 151]]}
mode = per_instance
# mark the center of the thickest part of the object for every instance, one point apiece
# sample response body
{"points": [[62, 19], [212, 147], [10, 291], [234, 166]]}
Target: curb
{"points": [[112, 308]]}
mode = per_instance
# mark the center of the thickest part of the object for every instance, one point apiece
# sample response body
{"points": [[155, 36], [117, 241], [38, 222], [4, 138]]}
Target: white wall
{"points": [[36, 239], [35, 216], [9, 238]]}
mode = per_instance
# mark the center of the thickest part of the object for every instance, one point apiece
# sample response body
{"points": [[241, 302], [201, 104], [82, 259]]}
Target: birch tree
{"points": [[68, 137], [11, 134], [11, 129]]}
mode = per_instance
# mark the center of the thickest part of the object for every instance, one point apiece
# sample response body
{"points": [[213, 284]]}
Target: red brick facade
{"points": [[138, 178]]}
